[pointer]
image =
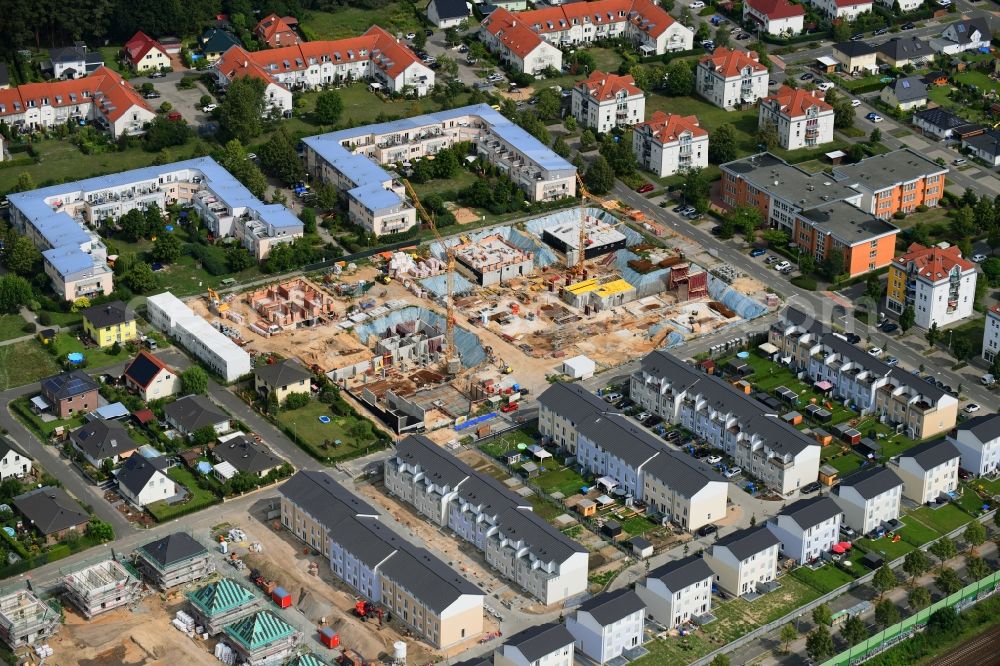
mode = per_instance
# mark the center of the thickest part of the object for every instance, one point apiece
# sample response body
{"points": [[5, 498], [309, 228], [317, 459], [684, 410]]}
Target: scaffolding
{"points": [[25, 619], [101, 587]]}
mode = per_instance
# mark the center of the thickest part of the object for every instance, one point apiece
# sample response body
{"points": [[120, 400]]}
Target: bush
{"points": [[296, 401], [804, 282], [212, 258]]}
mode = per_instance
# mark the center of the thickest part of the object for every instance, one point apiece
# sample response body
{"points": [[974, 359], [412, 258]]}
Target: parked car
{"points": [[694, 216], [152, 95], [612, 397], [742, 35], [810, 488], [959, 161], [858, 36], [808, 76], [979, 257], [782, 265], [787, 270], [642, 416], [771, 259], [971, 408], [848, 531], [874, 117], [824, 86], [855, 103], [892, 361], [853, 338], [875, 351], [880, 31], [717, 230], [713, 460], [209, 108], [411, 35], [707, 530], [733, 472], [648, 187], [679, 207], [157, 75], [757, 252], [907, 26], [697, 4], [889, 327]]}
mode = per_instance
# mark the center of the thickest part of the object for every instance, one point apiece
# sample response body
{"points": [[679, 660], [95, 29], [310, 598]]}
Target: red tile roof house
{"points": [[276, 31], [145, 54], [776, 17]]}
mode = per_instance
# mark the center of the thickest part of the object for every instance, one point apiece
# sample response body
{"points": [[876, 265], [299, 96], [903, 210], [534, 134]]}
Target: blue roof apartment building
{"points": [[350, 159], [61, 219]]}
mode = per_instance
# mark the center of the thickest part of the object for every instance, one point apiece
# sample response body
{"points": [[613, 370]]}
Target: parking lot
{"points": [[186, 102]]}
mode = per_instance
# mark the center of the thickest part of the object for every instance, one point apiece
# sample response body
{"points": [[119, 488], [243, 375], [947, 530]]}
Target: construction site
{"points": [[26, 620], [102, 587]]}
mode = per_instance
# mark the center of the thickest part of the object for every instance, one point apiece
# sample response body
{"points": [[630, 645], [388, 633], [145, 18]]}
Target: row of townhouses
{"points": [[899, 398], [350, 159], [420, 591], [61, 219], [375, 56], [528, 41], [761, 443], [518, 544]]}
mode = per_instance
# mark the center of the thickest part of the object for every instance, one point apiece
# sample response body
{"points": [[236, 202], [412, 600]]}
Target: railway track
{"points": [[981, 650]]}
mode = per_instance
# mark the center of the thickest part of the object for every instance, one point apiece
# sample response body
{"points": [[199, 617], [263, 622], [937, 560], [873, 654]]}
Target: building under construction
{"points": [[493, 260], [101, 587], [25, 619], [174, 560], [222, 603], [291, 304], [602, 234], [262, 639]]}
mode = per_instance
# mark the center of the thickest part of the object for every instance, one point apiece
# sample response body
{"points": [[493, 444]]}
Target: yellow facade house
{"points": [[283, 379], [109, 323]]}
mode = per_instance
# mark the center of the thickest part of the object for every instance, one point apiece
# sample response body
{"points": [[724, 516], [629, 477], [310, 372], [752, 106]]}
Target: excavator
{"points": [[219, 305]]}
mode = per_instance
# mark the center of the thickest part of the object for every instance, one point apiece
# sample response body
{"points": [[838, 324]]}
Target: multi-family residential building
{"points": [[929, 470], [109, 323], [169, 314], [562, 408], [419, 590], [542, 645], [13, 461], [729, 78], [605, 101], [516, 37], [856, 57], [678, 592], [936, 282], [896, 181], [869, 498], [668, 143], [517, 543], [901, 51], [275, 31], [72, 62], [608, 625], [905, 94], [846, 10], [807, 528], [991, 334], [978, 443], [866, 383], [762, 444], [145, 54], [864, 242], [960, 36], [744, 561], [801, 117], [776, 17], [672, 485], [349, 159], [375, 56]]}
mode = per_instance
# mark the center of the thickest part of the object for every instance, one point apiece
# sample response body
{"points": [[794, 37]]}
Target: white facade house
{"points": [[542, 645], [744, 561], [961, 36], [991, 334], [168, 314], [801, 117], [668, 143], [607, 625], [978, 443], [869, 498], [144, 480], [13, 462], [985, 146], [448, 13], [807, 528], [776, 17], [518, 544], [677, 592], [730, 78], [936, 282], [605, 101], [847, 10], [928, 470], [518, 45], [562, 408], [906, 94], [761, 443]]}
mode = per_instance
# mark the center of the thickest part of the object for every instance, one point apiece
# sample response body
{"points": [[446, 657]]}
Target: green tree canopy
{"points": [[884, 579], [166, 248], [919, 598], [974, 535], [132, 225], [821, 615], [696, 189], [886, 613], [241, 114], [279, 158], [948, 581], [234, 159], [15, 292], [599, 177], [854, 630], [679, 79], [329, 106], [819, 644], [100, 530], [140, 278], [194, 380], [916, 563], [722, 147], [788, 634], [20, 255]]}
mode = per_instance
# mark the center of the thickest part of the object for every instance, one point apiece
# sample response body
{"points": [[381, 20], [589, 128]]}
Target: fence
{"points": [[771, 626]]}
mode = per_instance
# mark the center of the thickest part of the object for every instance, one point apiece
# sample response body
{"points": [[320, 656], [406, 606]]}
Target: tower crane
{"points": [[452, 361], [606, 204]]}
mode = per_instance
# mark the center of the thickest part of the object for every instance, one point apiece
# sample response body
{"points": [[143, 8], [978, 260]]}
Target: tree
{"points": [[203, 435], [747, 219], [974, 535], [884, 580], [767, 135], [720, 660], [723, 37], [167, 248], [239, 258], [569, 122], [807, 264], [833, 264], [932, 334], [960, 347], [23, 183], [549, 104], [154, 221], [963, 223], [100, 530], [194, 380], [788, 634], [132, 225], [308, 217], [695, 189], [916, 564], [140, 278], [15, 292], [977, 567], [241, 112], [600, 178], [775, 237], [163, 133], [296, 400], [420, 39], [886, 613], [20, 255], [873, 287], [234, 159], [587, 139], [991, 271], [819, 644], [560, 147], [919, 598], [948, 581], [279, 158], [679, 79], [843, 112], [854, 630], [722, 147], [329, 106], [822, 616], [875, 136], [243, 482], [907, 318], [944, 549]]}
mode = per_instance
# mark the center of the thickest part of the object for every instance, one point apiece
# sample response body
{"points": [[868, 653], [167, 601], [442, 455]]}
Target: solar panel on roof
{"points": [[906, 84]]}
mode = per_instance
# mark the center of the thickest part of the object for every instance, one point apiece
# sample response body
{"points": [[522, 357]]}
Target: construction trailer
{"points": [[222, 603], [262, 639], [101, 587], [25, 619]]}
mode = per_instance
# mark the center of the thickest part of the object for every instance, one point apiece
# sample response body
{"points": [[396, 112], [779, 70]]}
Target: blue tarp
{"points": [[741, 304], [469, 347]]}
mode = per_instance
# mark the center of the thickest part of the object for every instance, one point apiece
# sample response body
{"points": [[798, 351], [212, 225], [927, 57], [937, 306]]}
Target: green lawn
{"points": [[319, 439], [24, 363], [12, 326], [970, 501], [977, 78], [885, 547], [199, 499], [561, 479], [110, 54], [973, 332], [845, 464], [675, 650], [944, 520], [446, 186], [710, 117], [353, 21], [825, 579], [46, 428], [916, 532], [95, 356], [543, 509], [509, 440], [638, 525]]}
